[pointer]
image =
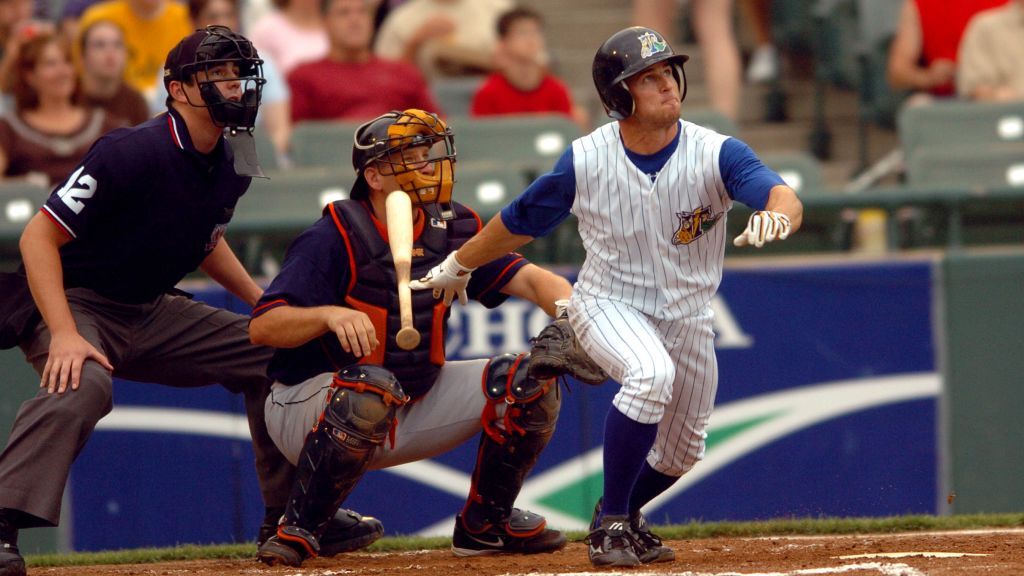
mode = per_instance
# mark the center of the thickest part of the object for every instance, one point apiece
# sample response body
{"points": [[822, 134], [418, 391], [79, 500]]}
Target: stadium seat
{"points": [[19, 202], [455, 95], [712, 119], [531, 142], [316, 143], [960, 124], [980, 166], [801, 171], [487, 186]]}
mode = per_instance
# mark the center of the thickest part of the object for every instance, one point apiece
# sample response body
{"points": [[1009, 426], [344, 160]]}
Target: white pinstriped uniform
{"points": [[641, 304]]}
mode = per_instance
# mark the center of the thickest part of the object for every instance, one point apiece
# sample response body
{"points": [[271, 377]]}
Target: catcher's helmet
{"points": [[382, 141], [627, 53], [206, 49]]}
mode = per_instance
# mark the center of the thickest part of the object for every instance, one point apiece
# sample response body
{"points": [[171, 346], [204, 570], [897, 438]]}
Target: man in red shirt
{"points": [[350, 82], [523, 84], [923, 54]]}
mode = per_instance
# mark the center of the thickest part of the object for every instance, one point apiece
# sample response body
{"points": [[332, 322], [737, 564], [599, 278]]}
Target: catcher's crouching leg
{"points": [[509, 448], [357, 418]]}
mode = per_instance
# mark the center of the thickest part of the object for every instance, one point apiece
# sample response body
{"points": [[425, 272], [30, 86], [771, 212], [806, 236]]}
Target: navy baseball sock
{"points": [[648, 485], [626, 444]]}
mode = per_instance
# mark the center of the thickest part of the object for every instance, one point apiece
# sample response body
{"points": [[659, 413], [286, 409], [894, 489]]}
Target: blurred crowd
{"points": [[68, 77]]}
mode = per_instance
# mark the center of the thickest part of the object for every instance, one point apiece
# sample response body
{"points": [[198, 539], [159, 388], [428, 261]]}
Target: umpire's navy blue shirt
{"points": [[143, 209]]}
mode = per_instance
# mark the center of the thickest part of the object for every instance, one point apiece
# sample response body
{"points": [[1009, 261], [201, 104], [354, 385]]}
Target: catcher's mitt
{"points": [[556, 352]]}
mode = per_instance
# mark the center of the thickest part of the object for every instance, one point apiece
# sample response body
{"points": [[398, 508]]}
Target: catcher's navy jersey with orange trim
{"points": [[143, 209]]}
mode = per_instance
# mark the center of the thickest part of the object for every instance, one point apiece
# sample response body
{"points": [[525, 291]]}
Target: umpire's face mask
{"points": [[232, 93]]}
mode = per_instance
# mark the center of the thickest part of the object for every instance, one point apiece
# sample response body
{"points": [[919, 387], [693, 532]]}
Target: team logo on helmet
{"points": [[692, 225], [650, 45]]}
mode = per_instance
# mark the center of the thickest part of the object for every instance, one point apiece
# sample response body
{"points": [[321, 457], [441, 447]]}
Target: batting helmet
{"points": [[382, 140], [627, 53], [206, 49]]}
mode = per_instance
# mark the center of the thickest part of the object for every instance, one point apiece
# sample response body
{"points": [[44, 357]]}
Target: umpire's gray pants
{"points": [[173, 341]]}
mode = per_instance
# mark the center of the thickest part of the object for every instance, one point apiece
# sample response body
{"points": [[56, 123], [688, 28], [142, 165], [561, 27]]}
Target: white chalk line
{"points": [[883, 569]]}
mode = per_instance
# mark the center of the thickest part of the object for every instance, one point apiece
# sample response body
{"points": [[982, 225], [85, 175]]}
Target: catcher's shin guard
{"points": [[509, 446], [358, 417]]}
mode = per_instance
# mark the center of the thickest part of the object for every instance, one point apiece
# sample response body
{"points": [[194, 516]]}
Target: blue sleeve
{"points": [[314, 272], [545, 203], [746, 178]]}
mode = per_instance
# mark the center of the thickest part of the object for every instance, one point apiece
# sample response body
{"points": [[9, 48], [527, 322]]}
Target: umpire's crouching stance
{"points": [[146, 206]]}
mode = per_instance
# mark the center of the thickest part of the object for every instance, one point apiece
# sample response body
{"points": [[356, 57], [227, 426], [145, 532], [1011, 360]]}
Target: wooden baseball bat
{"points": [[399, 217]]}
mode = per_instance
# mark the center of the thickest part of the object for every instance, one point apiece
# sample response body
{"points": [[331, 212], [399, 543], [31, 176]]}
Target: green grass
{"points": [[805, 526]]}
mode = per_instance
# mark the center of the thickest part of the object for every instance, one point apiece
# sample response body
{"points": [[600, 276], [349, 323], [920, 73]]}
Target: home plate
{"points": [[909, 555]]}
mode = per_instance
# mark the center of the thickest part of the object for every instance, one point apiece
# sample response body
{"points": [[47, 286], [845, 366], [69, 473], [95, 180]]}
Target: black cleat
{"points": [[523, 533], [349, 531], [11, 562], [611, 544], [289, 547], [647, 545]]}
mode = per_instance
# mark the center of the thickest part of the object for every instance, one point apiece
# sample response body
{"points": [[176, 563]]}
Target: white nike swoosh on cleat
{"points": [[497, 542]]}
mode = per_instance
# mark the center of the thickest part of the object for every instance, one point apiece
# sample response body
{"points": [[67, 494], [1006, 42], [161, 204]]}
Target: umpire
{"points": [[147, 206]]}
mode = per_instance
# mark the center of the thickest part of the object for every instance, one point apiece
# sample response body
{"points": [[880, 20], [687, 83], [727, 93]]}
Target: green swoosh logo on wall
{"points": [[566, 493]]}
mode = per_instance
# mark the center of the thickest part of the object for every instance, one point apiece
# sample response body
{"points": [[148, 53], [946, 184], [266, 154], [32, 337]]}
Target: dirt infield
{"points": [[992, 553]]}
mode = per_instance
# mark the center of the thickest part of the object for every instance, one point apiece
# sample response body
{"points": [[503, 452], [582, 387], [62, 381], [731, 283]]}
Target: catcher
{"points": [[347, 399]]}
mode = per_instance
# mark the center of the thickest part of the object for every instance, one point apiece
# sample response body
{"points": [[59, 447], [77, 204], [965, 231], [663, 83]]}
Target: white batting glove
{"points": [[449, 277], [764, 227]]}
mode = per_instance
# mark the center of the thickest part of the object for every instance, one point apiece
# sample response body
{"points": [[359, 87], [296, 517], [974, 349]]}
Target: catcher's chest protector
{"points": [[373, 289]]}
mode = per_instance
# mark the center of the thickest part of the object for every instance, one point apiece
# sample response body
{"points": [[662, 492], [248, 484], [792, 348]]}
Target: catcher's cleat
{"points": [[523, 533], [611, 544], [348, 531], [289, 547], [11, 562], [646, 544]]}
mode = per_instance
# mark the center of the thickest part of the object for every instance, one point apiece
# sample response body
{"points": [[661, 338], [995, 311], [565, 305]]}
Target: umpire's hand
{"points": [[68, 353], [449, 277]]}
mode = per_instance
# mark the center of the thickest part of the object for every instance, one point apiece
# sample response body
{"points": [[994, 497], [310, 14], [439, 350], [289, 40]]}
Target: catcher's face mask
{"points": [[419, 152]]}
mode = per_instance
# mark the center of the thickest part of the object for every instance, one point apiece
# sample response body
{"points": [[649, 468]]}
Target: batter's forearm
{"points": [[40, 251], [784, 199], [493, 241]]}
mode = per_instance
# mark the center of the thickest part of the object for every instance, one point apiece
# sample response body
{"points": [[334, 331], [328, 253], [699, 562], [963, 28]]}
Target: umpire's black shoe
{"points": [[349, 531], [611, 544], [289, 546], [11, 562], [523, 533], [647, 545]]}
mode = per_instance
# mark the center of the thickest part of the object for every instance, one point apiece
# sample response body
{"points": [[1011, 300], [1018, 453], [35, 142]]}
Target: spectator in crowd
{"points": [[46, 134], [523, 84], [291, 34], [923, 55], [102, 73], [443, 37], [713, 26], [991, 65], [151, 28], [351, 82], [275, 103], [14, 16], [764, 62]]}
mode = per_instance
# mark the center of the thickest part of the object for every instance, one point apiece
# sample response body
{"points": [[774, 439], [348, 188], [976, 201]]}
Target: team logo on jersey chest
{"points": [[692, 225]]}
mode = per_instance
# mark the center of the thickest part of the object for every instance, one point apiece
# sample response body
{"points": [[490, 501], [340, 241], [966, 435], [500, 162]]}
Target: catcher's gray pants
{"points": [[446, 416], [173, 341]]}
